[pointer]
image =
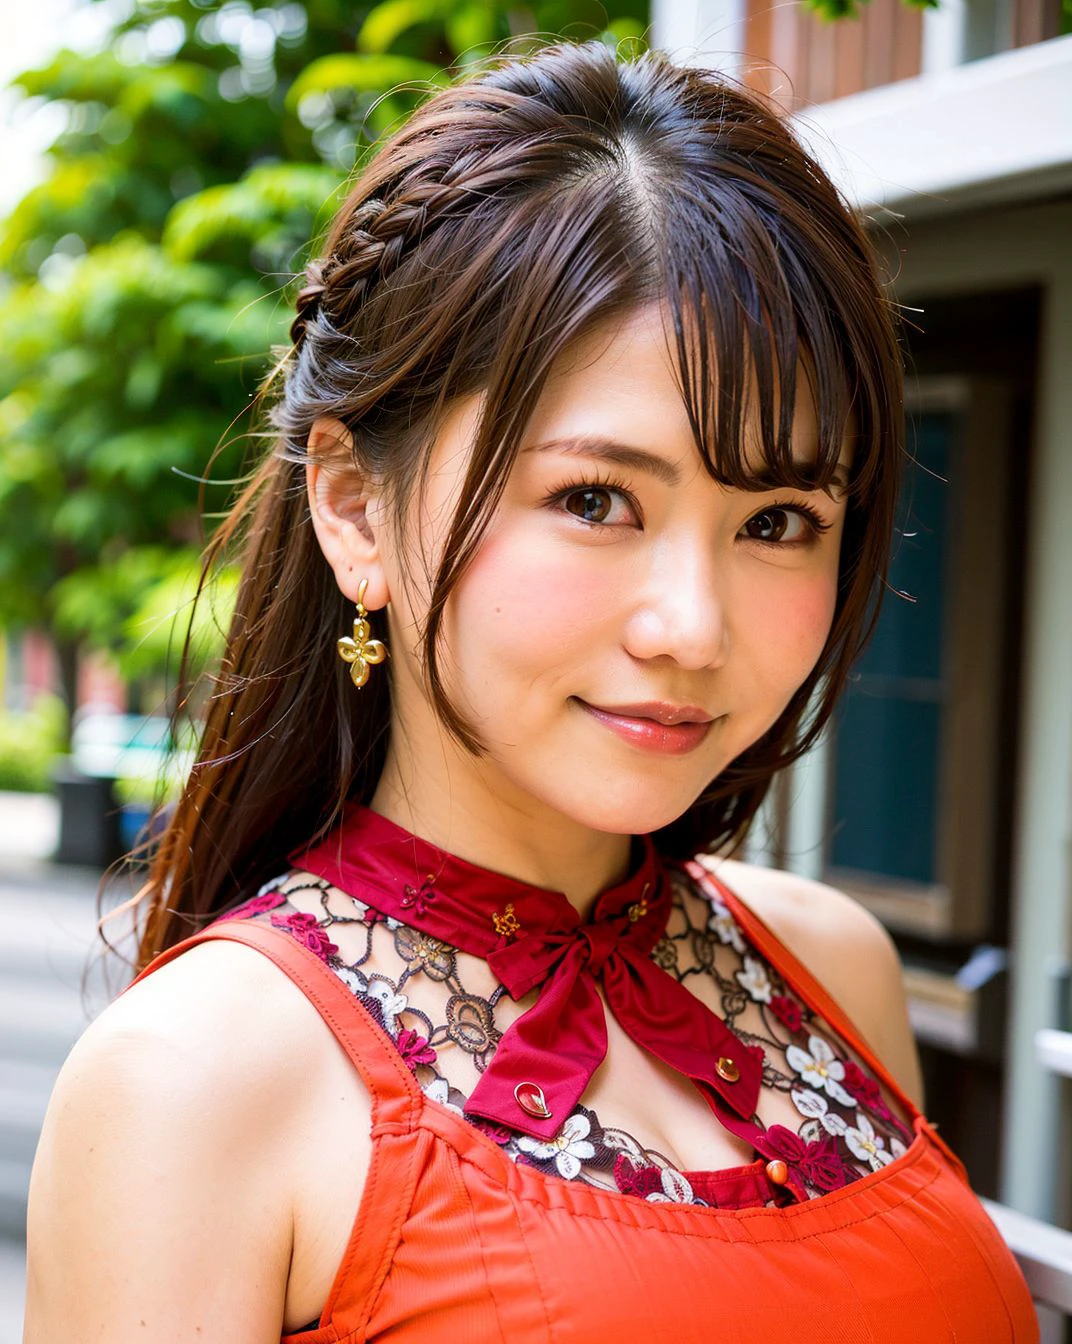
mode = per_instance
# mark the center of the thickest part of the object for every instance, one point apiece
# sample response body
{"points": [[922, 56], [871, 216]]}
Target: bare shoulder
{"points": [[845, 947], [162, 1191]]}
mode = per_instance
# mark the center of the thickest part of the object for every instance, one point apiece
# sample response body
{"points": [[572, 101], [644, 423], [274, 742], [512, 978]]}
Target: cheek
{"points": [[789, 626], [530, 605]]}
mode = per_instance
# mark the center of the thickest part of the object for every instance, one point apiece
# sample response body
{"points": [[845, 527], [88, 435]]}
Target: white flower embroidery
{"points": [[676, 1189], [865, 1144], [569, 1147], [439, 1090], [360, 908], [356, 980], [754, 978], [820, 1068], [816, 1108], [273, 884], [897, 1148], [391, 1004], [722, 924]]}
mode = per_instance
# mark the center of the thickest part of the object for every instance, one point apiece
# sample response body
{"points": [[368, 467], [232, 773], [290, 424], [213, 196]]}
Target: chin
{"points": [[626, 812]]}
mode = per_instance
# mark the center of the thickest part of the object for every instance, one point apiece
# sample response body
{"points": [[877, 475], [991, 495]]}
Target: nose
{"points": [[681, 612]]}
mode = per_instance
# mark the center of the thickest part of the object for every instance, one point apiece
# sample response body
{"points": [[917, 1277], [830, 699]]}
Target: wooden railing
{"points": [[1044, 1254]]}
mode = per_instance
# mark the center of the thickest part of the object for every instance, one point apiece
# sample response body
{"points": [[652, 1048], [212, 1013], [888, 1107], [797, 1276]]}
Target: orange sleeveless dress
{"points": [[455, 1242]]}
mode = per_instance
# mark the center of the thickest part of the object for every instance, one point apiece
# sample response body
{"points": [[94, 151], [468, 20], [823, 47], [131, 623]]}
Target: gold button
{"points": [[725, 1068], [777, 1172]]}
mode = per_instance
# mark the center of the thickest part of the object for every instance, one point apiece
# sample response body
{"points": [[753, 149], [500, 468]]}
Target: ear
{"points": [[346, 511]]}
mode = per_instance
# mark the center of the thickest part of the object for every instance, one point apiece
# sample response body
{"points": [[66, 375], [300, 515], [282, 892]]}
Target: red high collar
{"points": [[532, 937]]}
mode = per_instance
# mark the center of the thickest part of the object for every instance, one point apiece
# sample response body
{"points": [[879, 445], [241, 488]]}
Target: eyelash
{"points": [[815, 522]]}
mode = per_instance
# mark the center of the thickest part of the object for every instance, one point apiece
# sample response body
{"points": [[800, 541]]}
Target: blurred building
{"points": [[943, 797], [28, 668]]}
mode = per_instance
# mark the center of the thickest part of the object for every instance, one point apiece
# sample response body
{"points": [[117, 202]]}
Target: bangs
{"points": [[750, 322]]}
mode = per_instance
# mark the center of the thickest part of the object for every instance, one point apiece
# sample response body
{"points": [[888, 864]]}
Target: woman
{"points": [[452, 1023]]}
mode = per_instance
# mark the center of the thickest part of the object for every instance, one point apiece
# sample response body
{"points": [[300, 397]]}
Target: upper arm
{"points": [[848, 950], [153, 1209], [863, 972]]}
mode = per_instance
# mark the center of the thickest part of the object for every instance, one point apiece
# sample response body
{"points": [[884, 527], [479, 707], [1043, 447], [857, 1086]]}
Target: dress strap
{"points": [[395, 1093], [805, 984]]}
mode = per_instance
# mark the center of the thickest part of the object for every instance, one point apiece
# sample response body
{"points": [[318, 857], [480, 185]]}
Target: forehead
{"points": [[622, 382]]}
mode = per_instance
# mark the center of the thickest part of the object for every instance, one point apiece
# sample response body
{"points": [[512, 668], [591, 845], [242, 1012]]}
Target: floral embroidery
{"points": [[470, 1025], [635, 1178], [419, 899], [816, 1162], [867, 1092], [755, 979], [414, 1049], [390, 1002], [674, 1188], [256, 905], [865, 1144], [568, 1149], [847, 1126], [438, 1090], [305, 928], [724, 927], [497, 1133], [820, 1067], [817, 1109], [788, 1012], [658, 1185], [425, 953]]}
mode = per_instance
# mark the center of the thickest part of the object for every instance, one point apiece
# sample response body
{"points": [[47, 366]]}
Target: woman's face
{"points": [[627, 626]]}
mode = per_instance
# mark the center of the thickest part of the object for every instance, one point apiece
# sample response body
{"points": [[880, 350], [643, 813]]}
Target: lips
{"points": [[658, 710], [669, 729]]}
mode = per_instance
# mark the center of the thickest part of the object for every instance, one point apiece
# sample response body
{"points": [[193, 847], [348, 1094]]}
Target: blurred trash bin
{"points": [[89, 816], [105, 746]]}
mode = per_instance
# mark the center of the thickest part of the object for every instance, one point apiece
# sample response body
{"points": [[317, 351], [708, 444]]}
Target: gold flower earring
{"points": [[361, 651]]}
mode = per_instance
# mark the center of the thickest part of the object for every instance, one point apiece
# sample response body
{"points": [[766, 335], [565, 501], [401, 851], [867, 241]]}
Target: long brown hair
{"points": [[514, 212]]}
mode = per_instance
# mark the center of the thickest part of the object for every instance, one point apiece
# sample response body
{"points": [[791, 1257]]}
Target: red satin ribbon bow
{"points": [[533, 938]]}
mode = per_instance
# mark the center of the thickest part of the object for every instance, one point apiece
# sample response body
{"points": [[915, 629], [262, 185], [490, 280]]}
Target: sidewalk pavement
{"points": [[48, 917], [12, 1286], [29, 827]]}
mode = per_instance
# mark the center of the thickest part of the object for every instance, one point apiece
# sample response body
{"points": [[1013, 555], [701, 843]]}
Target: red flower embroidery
{"points": [[865, 1090], [305, 928], [632, 1178], [817, 1163], [257, 905], [414, 1049], [419, 899], [497, 1133], [787, 1011]]}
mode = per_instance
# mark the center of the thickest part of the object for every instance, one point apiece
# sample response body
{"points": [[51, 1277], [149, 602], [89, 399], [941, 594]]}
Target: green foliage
{"points": [[833, 10], [265, 216], [141, 284], [29, 744], [154, 632]]}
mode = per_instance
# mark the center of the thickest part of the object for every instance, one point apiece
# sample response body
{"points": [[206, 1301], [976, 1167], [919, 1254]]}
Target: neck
{"points": [[496, 829]]}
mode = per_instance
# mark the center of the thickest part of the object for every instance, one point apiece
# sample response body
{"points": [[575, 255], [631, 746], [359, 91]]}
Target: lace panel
{"points": [[439, 1006]]}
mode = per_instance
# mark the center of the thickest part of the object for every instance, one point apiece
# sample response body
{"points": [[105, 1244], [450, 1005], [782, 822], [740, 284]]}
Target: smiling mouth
{"points": [[659, 711], [678, 729]]}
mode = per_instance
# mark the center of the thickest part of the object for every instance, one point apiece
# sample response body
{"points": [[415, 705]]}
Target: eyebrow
{"points": [[610, 450], [634, 459]]}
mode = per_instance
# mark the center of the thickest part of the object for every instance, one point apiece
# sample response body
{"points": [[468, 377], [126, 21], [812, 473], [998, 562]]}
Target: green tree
{"points": [[142, 284]]}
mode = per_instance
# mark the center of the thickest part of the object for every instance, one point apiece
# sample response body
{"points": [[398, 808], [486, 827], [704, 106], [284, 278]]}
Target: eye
{"points": [[786, 526], [597, 504]]}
